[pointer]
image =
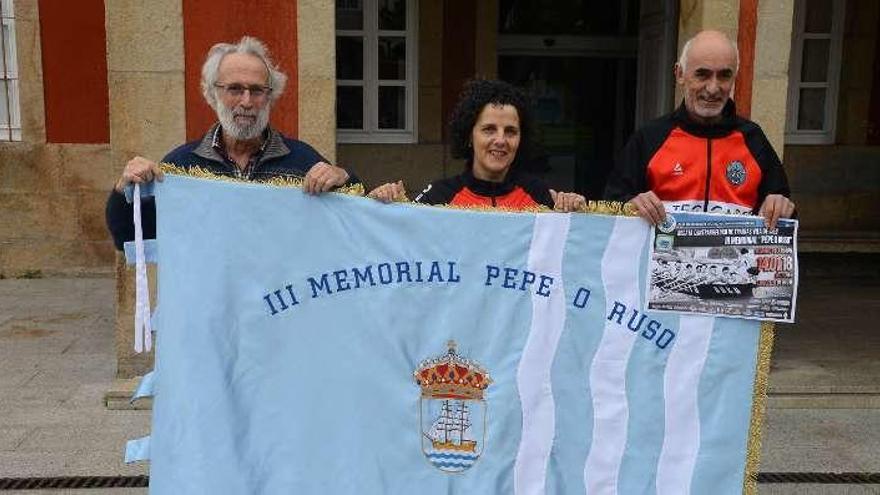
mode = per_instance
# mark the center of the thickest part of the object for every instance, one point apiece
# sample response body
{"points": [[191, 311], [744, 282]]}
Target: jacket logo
{"points": [[736, 173], [678, 169], [422, 194], [452, 410]]}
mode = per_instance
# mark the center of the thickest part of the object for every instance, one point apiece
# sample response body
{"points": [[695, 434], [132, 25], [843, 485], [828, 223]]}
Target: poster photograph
{"points": [[724, 265]]}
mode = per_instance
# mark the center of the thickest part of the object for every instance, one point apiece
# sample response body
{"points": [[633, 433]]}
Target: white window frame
{"points": [[10, 130], [793, 135], [371, 82]]}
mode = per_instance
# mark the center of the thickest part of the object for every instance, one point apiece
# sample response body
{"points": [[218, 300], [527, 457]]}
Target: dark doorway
{"points": [[580, 61]]}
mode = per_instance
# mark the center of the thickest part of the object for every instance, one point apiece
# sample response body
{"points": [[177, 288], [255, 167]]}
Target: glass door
{"points": [[577, 58]]}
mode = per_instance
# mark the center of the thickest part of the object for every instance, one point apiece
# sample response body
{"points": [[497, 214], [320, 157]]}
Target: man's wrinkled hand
{"points": [[323, 177], [776, 206], [567, 201], [649, 207], [386, 193], [138, 170]]}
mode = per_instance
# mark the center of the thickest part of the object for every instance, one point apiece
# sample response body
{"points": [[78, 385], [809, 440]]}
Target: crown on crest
{"points": [[452, 377]]}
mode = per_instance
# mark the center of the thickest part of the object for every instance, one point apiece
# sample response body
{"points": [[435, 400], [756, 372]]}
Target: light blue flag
{"points": [[337, 345]]}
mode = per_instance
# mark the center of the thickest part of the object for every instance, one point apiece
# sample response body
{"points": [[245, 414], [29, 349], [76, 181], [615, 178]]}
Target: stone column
{"points": [[145, 65], [770, 81], [697, 15], [316, 66]]}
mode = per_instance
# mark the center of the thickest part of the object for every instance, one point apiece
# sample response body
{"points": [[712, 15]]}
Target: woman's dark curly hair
{"points": [[476, 95]]}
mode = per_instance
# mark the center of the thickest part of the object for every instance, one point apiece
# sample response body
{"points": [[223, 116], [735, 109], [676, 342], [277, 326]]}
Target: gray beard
{"points": [[242, 132]]}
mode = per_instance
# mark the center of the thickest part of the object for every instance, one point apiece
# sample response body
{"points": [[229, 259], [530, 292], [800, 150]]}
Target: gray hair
{"points": [[247, 45], [682, 59]]}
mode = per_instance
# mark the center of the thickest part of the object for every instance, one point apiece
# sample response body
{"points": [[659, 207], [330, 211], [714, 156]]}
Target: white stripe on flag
{"points": [[681, 440], [533, 374], [620, 277]]}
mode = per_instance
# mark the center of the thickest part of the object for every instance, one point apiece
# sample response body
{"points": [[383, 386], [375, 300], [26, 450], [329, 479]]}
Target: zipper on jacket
{"points": [[493, 194], [708, 173]]}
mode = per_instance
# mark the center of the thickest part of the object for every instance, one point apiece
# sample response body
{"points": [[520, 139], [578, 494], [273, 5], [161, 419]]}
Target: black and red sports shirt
{"points": [[728, 167], [517, 192]]}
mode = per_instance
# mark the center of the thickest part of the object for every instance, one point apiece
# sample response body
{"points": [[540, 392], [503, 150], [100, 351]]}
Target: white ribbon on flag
{"points": [[143, 332]]}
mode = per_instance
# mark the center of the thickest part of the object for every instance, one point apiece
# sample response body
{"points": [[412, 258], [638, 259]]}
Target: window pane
{"points": [[349, 14], [392, 57], [349, 57], [392, 14], [6, 7], [818, 16], [349, 107], [815, 64], [392, 107], [6, 63], [4, 109], [811, 111]]}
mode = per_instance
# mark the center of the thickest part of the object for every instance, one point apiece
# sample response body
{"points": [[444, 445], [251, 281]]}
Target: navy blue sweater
{"points": [[282, 157]]}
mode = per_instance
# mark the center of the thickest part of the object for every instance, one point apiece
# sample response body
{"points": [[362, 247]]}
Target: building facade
{"points": [[87, 85]]}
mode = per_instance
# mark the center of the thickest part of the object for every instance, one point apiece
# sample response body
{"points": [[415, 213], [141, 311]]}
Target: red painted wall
{"points": [[459, 58], [74, 56], [745, 40], [207, 23]]}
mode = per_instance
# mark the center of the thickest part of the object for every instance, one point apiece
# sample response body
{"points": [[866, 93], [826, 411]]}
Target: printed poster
{"points": [[724, 265]]}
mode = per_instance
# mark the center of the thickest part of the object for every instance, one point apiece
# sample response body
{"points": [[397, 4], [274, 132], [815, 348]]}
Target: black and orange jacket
{"points": [[517, 192], [728, 167]]}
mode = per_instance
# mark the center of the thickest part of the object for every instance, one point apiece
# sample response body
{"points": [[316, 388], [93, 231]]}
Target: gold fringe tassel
{"points": [[759, 408], [280, 181], [596, 207], [593, 207]]}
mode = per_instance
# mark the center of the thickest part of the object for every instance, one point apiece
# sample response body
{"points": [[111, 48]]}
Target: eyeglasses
{"points": [[237, 90]]}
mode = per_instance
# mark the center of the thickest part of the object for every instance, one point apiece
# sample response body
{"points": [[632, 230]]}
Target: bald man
{"points": [[702, 157]]}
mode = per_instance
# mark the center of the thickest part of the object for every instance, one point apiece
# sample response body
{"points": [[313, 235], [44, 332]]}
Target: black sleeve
{"points": [[538, 190], [352, 178], [119, 214], [310, 156], [627, 179], [773, 177], [629, 176], [438, 192]]}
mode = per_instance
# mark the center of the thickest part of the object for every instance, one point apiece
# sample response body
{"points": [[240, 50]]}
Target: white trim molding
{"points": [[370, 81], [831, 85], [10, 125]]}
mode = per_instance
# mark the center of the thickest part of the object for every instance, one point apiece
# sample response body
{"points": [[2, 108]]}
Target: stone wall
{"points": [[51, 195], [836, 188]]}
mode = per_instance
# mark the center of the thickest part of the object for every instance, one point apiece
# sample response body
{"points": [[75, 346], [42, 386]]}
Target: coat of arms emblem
{"points": [[736, 173], [452, 410]]}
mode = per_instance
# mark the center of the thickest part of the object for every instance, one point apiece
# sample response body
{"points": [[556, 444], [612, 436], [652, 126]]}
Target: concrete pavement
{"points": [[57, 361]]}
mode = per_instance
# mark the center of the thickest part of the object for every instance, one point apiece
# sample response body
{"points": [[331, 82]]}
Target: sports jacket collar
{"points": [[488, 188], [729, 122], [273, 145]]}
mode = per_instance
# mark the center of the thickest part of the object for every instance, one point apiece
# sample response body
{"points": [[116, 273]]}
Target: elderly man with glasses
{"points": [[240, 82]]}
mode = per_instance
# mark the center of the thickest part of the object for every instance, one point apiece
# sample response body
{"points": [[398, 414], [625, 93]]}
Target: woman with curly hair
{"points": [[491, 128]]}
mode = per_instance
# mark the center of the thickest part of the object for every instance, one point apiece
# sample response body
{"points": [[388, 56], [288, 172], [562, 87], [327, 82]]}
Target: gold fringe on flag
{"points": [[277, 181], [596, 207], [759, 408]]}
